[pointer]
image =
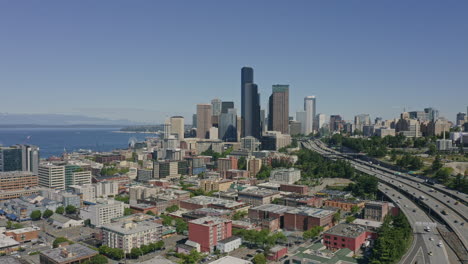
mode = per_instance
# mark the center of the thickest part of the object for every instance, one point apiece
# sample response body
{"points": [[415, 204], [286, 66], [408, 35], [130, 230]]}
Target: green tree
{"points": [[35, 215], [60, 240], [47, 213], [355, 209], [122, 198], [172, 208], [17, 226], [239, 215], [336, 217], [150, 213], [127, 211], [9, 224], [350, 219], [259, 259], [432, 149], [242, 163], [136, 253], [313, 232], [437, 164], [159, 245], [192, 258], [60, 210], [70, 209], [99, 259]]}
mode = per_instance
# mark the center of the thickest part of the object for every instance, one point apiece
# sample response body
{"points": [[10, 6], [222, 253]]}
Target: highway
{"points": [[424, 242], [443, 205]]}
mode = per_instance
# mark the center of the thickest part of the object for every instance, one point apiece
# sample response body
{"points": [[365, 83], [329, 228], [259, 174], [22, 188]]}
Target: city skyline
{"points": [[356, 58]]}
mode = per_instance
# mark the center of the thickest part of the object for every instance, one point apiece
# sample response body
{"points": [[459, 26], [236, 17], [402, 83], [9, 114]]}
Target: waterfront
{"points": [[53, 141]]}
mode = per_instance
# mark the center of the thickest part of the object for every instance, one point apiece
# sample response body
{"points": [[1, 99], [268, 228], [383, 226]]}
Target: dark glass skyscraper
{"points": [[250, 104]]}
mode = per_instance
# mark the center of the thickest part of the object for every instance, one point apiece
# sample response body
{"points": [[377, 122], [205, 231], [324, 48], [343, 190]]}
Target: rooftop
{"points": [[230, 260], [273, 208], [258, 192], [346, 230], [69, 253], [209, 221], [309, 211], [25, 229], [229, 239], [131, 228], [206, 200], [6, 242]]}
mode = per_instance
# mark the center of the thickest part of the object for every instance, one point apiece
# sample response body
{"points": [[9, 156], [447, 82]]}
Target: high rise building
{"points": [[432, 114], [216, 106], [167, 128], [207, 231], [309, 108], [461, 119], [336, 123], [177, 127], [360, 121], [52, 176], [228, 126], [263, 121], [319, 121], [301, 117], [250, 104], [204, 114], [225, 106], [19, 158], [278, 114], [194, 120]]}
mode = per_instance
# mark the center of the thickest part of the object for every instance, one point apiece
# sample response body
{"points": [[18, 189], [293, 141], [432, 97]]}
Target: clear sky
{"points": [[145, 60]]}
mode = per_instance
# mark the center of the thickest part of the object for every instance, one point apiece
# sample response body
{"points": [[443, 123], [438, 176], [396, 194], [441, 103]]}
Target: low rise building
{"points": [[300, 200], [70, 254], [208, 231], [257, 197], [213, 202], [285, 176], [131, 235], [102, 212], [376, 211], [304, 218], [17, 180], [61, 221], [345, 205], [24, 234], [300, 189], [277, 252], [229, 244], [349, 236]]}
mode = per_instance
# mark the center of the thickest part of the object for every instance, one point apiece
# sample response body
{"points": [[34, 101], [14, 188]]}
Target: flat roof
{"points": [[231, 260], [209, 221], [346, 230], [77, 251], [273, 208], [6, 242], [309, 211], [229, 239], [131, 228]]}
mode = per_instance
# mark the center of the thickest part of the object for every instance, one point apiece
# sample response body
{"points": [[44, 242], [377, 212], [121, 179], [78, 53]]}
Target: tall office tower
{"points": [[30, 158], [204, 114], [167, 128], [360, 121], [216, 106], [301, 117], [336, 123], [263, 120], [19, 158], [278, 114], [178, 126], [52, 176], [225, 106], [250, 104], [378, 121], [432, 114], [309, 108], [228, 126], [460, 119], [319, 121], [194, 120]]}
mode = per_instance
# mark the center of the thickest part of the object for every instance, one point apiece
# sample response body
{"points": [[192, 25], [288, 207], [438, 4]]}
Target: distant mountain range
{"points": [[59, 120]]}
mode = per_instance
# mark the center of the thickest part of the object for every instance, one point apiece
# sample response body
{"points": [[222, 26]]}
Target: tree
{"points": [[60, 240], [60, 210], [313, 232], [172, 208], [259, 259], [337, 217], [350, 219], [437, 164], [127, 211], [122, 198], [241, 163], [99, 259], [17, 226], [70, 209], [35, 215], [432, 149], [150, 213], [192, 258], [159, 245], [136, 252], [355, 209], [9, 224], [239, 215], [47, 213]]}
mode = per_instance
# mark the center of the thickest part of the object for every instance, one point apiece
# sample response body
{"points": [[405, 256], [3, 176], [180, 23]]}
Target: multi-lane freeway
{"points": [[427, 246], [452, 211]]}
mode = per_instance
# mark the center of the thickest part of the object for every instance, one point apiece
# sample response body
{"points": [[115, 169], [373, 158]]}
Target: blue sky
{"points": [[145, 60]]}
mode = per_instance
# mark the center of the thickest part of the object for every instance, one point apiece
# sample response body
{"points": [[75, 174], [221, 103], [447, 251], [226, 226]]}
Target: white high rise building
{"points": [[177, 127], [216, 106], [301, 117], [52, 176], [309, 108], [320, 120]]}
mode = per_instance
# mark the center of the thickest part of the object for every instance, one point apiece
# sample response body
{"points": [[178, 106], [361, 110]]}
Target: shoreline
{"points": [[135, 132]]}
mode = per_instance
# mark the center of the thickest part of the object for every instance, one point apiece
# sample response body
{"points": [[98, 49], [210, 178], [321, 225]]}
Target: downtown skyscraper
{"points": [[278, 114], [250, 104], [310, 111]]}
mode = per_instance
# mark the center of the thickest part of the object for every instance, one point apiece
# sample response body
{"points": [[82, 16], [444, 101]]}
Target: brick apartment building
{"points": [[376, 211], [16, 180], [349, 236], [207, 231], [344, 205], [304, 218], [300, 189]]}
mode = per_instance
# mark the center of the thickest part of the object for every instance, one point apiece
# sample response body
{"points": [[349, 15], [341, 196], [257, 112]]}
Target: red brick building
{"points": [[109, 158], [300, 189], [24, 234], [301, 200], [277, 252], [304, 218], [344, 205], [207, 231], [349, 236]]}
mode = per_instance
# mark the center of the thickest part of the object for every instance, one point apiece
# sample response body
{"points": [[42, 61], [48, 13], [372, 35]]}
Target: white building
{"points": [[301, 117], [309, 108], [286, 176], [131, 235], [90, 192], [52, 176], [320, 121], [229, 244], [60, 221], [250, 143], [102, 212], [177, 127]]}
